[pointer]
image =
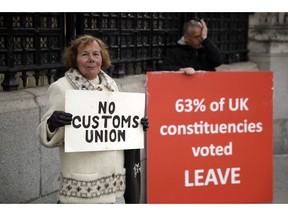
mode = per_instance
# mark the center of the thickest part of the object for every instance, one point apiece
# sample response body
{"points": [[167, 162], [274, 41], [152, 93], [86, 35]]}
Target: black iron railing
{"points": [[30, 42], [33, 42]]}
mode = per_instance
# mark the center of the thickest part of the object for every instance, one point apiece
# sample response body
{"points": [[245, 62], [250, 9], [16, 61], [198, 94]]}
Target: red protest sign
{"points": [[210, 138]]}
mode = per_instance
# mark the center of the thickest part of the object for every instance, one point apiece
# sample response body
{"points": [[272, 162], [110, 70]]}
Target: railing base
{"points": [[9, 83]]}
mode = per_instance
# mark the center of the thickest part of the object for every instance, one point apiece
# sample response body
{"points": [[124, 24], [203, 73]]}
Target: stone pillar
{"points": [[268, 48]]}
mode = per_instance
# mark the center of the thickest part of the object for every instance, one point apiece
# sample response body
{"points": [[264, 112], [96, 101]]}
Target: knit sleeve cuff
{"points": [[49, 133]]}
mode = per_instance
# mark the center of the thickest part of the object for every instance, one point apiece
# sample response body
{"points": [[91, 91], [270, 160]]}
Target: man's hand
{"points": [[188, 70], [204, 32]]}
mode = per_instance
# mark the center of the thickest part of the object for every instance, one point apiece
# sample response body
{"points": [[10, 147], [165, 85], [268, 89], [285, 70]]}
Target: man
{"points": [[194, 51]]}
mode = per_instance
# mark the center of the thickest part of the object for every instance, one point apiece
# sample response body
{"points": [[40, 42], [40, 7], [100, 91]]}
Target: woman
{"points": [[86, 177]]}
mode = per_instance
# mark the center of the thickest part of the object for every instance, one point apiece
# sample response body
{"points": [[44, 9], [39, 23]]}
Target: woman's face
{"points": [[89, 60]]}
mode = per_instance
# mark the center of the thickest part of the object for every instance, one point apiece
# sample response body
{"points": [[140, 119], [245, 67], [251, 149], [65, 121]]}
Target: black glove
{"points": [[145, 123], [59, 119]]}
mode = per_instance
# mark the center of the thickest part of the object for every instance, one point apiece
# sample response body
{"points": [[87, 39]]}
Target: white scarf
{"points": [[78, 81]]}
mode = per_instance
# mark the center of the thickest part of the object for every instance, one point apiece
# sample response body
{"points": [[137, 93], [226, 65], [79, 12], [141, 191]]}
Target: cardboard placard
{"points": [[104, 121]]}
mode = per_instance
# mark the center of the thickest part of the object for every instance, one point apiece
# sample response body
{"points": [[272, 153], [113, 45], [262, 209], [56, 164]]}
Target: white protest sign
{"points": [[104, 121]]}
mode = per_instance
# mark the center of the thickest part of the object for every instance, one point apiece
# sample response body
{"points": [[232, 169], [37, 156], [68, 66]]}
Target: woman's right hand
{"points": [[59, 119]]}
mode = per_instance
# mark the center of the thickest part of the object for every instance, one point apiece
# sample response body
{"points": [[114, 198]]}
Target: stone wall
{"points": [[28, 171], [268, 45]]}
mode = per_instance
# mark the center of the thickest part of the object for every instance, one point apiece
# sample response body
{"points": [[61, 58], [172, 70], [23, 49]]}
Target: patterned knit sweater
{"points": [[86, 177]]}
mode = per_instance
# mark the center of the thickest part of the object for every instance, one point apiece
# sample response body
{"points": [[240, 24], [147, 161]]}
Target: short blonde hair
{"points": [[70, 53]]}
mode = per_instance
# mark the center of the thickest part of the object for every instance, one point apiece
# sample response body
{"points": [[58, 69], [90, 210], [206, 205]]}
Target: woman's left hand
{"points": [[145, 123]]}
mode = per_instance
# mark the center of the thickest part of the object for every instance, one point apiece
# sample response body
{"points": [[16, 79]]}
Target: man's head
{"points": [[192, 32]]}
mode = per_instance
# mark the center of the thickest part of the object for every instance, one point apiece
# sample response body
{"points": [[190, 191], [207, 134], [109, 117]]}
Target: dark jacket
{"points": [[206, 58]]}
